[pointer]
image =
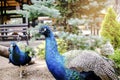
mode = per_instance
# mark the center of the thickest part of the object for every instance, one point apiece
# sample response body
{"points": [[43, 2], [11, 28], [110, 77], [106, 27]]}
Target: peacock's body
{"points": [[18, 57], [62, 69]]}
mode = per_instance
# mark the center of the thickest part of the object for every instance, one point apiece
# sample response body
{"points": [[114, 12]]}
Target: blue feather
{"points": [[18, 57], [56, 62]]}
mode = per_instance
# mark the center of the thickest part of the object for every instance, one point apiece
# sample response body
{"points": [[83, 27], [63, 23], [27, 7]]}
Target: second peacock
{"points": [[18, 57]]}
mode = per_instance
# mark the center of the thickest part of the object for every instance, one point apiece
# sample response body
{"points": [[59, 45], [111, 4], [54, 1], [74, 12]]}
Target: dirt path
{"points": [[37, 71]]}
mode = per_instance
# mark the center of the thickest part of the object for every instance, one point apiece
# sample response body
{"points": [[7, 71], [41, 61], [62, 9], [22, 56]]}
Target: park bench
{"points": [[14, 31]]}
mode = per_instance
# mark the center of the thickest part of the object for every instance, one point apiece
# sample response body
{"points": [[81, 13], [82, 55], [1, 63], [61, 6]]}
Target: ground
{"points": [[37, 71]]}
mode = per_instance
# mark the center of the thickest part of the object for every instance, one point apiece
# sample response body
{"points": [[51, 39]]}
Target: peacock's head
{"points": [[12, 46], [45, 30]]}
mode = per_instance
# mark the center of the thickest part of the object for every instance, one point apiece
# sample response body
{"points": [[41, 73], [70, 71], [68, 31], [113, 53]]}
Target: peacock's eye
{"points": [[11, 46], [44, 29]]}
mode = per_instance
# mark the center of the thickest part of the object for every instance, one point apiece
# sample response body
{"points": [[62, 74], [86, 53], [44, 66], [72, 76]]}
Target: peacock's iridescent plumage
{"points": [[57, 63], [18, 57]]}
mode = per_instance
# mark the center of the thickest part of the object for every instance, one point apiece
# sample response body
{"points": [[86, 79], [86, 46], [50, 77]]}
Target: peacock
{"points": [[18, 57], [86, 65]]}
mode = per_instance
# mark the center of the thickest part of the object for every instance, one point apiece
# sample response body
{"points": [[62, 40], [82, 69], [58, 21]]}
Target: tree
{"points": [[82, 9], [110, 28], [39, 8]]}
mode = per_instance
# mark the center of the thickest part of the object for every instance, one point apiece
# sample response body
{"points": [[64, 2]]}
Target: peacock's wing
{"points": [[70, 55], [91, 61], [27, 57]]}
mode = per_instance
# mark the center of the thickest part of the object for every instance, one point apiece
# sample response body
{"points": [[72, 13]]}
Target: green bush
{"points": [[40, 50], [26, 48], [116, 57], [81, 42], [62, 48], [110, 28]]}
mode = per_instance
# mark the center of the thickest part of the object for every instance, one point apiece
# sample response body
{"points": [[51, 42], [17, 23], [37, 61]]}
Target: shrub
{"points": [[40, 50], [81, 42], [26, 48], [110, 28], [62, 48], [116, 57]]}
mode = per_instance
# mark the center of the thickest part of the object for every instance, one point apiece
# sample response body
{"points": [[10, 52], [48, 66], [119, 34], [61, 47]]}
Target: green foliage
{"points": [[81, 42], [34, 32], [116, 57], [62, 48], [75, 22], [110, 28], [39, 8], [40, 50], [26, 48], [48, 3]]}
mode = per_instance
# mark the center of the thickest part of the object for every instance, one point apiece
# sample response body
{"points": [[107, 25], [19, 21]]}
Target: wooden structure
{"points": [[7, 5]]}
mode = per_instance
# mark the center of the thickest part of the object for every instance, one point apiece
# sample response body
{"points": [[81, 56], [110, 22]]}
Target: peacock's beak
{"points": [[9, 49]]}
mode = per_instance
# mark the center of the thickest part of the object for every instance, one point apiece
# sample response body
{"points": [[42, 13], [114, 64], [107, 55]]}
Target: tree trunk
{"points": [[4, 51]]}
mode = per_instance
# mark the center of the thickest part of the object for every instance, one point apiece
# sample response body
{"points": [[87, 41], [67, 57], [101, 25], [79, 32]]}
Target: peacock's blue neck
{"points": [[51, 45], [52, 49], [16, 50], [53, 59]]}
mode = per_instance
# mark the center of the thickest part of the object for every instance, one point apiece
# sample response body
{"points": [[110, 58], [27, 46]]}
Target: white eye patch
{"points": [[44, 29], [11, 46]]}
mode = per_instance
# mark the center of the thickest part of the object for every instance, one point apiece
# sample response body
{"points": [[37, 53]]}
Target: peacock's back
{"points": [[91, 61]]}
